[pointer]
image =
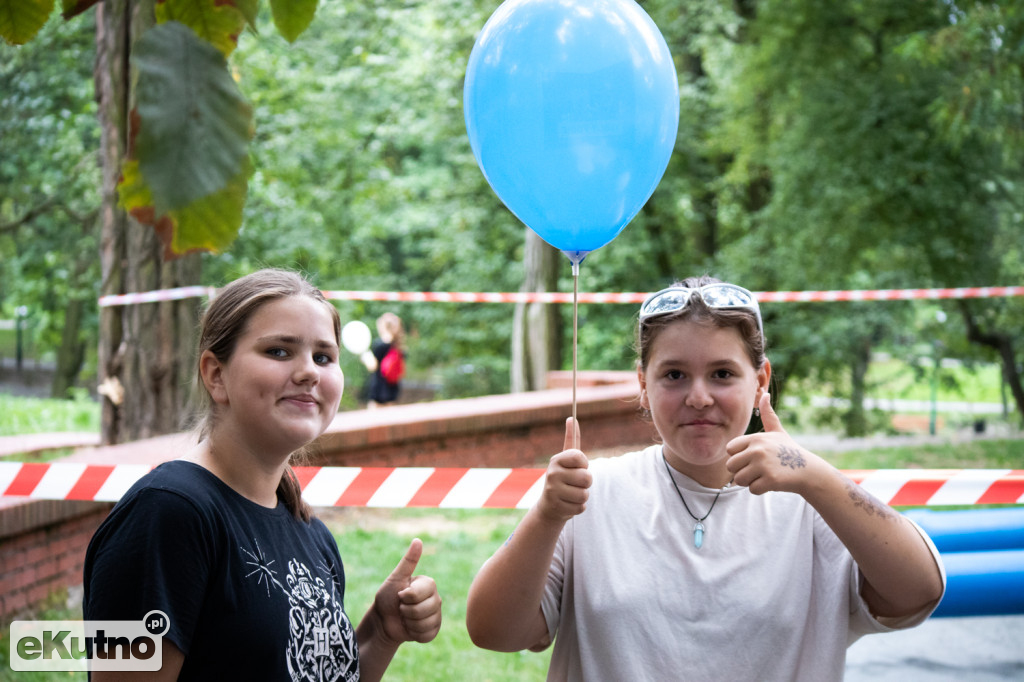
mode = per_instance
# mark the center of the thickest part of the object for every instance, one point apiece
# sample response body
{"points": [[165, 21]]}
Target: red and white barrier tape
{"points": [[157, 296], [458, 488], [583, 297]]}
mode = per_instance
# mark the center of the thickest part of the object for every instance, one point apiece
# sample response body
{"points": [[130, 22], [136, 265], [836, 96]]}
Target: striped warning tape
{"points": [[157, 296], [583, 297], [465, 488]]}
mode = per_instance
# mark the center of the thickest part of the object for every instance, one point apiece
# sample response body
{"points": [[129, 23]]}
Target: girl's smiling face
{"points": [[281, 386], [701, 389]]}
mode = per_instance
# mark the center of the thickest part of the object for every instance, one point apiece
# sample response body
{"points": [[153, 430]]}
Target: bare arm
{"points": [[900, 574], [369, 360], [406, 609], [503, 611]]}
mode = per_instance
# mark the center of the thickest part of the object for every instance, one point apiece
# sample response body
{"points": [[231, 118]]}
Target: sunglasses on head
{"points": [[719, 295]]}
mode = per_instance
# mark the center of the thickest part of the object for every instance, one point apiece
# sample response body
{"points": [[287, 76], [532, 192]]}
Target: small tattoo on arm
{"points": [[509, 538], [791, 457], [871, 505]]}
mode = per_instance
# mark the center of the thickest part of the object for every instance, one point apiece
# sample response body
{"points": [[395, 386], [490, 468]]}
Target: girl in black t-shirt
{"points": [[381, 388], [221, 540]]}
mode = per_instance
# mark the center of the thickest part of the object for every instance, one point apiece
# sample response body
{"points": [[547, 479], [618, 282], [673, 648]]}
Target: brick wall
{"points": [[42, 543], [518, 430], [42, 549]]}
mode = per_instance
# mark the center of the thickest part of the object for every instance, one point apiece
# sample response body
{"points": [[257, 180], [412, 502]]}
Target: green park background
{"points": [[821, 146], [861, 146]]}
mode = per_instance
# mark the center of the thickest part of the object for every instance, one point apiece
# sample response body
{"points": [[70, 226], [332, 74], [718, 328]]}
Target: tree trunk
{"points": [[1002, 343], [145, 350], [856, 420], [71, 354], [536, 327]]}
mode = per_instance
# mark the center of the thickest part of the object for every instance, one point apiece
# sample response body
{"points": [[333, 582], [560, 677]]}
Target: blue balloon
{"points": [[572, 110]]}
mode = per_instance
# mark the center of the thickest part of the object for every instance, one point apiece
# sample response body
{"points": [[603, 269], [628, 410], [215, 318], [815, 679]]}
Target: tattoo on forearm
{"points": [[791, 457], [871, 505]]}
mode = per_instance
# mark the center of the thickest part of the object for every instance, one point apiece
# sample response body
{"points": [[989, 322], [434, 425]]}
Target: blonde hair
{"points": [[391, 325]]}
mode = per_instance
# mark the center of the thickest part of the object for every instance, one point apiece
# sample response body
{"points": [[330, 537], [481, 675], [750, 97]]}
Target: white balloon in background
{"points": [[356, 337]]}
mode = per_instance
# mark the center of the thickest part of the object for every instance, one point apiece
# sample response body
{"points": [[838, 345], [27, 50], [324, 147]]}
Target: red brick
{"points": [[39, 592], [14, 602], [45, 569]]}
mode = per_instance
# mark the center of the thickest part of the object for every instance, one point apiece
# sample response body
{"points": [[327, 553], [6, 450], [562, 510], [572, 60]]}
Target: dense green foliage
{"points": [[821, 146], [49, 181]]}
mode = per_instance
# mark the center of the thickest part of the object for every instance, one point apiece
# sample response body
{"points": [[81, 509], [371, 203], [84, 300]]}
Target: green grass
{"points": [[895, 379], [978, 454], [8, 341], [40, 415], [456, 543]]}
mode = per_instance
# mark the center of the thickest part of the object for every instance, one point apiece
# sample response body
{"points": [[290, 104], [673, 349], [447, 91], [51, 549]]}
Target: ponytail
{"points": [[289, 491]]}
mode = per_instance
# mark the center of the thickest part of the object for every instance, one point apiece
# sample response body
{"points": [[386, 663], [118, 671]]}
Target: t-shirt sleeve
{"points": [[551, 600], [380, 349], [151, 555]]}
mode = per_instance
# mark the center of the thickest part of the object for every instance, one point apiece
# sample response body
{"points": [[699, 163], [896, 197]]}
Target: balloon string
{"points": [[575, 318]]}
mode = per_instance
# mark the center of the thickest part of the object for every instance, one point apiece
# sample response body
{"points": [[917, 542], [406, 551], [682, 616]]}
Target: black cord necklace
{"points": [[698, 528]]}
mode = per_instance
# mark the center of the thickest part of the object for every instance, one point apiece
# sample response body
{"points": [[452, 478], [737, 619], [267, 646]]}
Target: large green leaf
{"points": [[218, 22], [207, 224], [292, 17], [132, 191], [20, 20], [249, 9], [212, 223], [195, 124]]}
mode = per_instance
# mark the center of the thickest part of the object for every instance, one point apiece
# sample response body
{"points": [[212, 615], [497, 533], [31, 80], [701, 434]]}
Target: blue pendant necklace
{"points": [[698, 529]]}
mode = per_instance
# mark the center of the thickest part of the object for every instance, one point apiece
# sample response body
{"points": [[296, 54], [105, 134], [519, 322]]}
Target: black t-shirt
{"points": [[251, 593]]}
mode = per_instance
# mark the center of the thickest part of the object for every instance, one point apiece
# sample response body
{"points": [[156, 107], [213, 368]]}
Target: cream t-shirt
{"points": [[772, 594]]}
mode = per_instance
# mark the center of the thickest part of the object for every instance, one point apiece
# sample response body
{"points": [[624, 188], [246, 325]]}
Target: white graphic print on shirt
{"points": [[321, 643]]}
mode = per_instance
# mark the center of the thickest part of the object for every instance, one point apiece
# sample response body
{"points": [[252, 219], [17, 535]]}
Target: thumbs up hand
{"points": [[409, 607], [771, 460], [567, 480]]}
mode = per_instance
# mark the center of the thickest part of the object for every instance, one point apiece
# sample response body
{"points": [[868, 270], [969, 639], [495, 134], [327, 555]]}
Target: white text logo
{"points": [[60, 645]]}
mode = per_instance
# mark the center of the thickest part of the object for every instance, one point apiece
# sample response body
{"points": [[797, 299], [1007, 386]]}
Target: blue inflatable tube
{"points": [[983, 584], [972, 530]]}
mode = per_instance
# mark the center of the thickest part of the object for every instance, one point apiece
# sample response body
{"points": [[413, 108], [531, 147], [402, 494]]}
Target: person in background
{"points": [[221, 541], [385, 382], [713, 554]]}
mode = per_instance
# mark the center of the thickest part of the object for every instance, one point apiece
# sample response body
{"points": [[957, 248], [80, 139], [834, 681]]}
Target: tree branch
{"points": [[46, 206], [30, 215], [1002, 343]]}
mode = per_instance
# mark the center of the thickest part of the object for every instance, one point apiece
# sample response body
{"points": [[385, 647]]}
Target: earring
{"points": [[757, 411]]}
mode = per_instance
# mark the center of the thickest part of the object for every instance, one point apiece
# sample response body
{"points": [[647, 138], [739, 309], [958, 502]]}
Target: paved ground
{"points": [[977, 649]]}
